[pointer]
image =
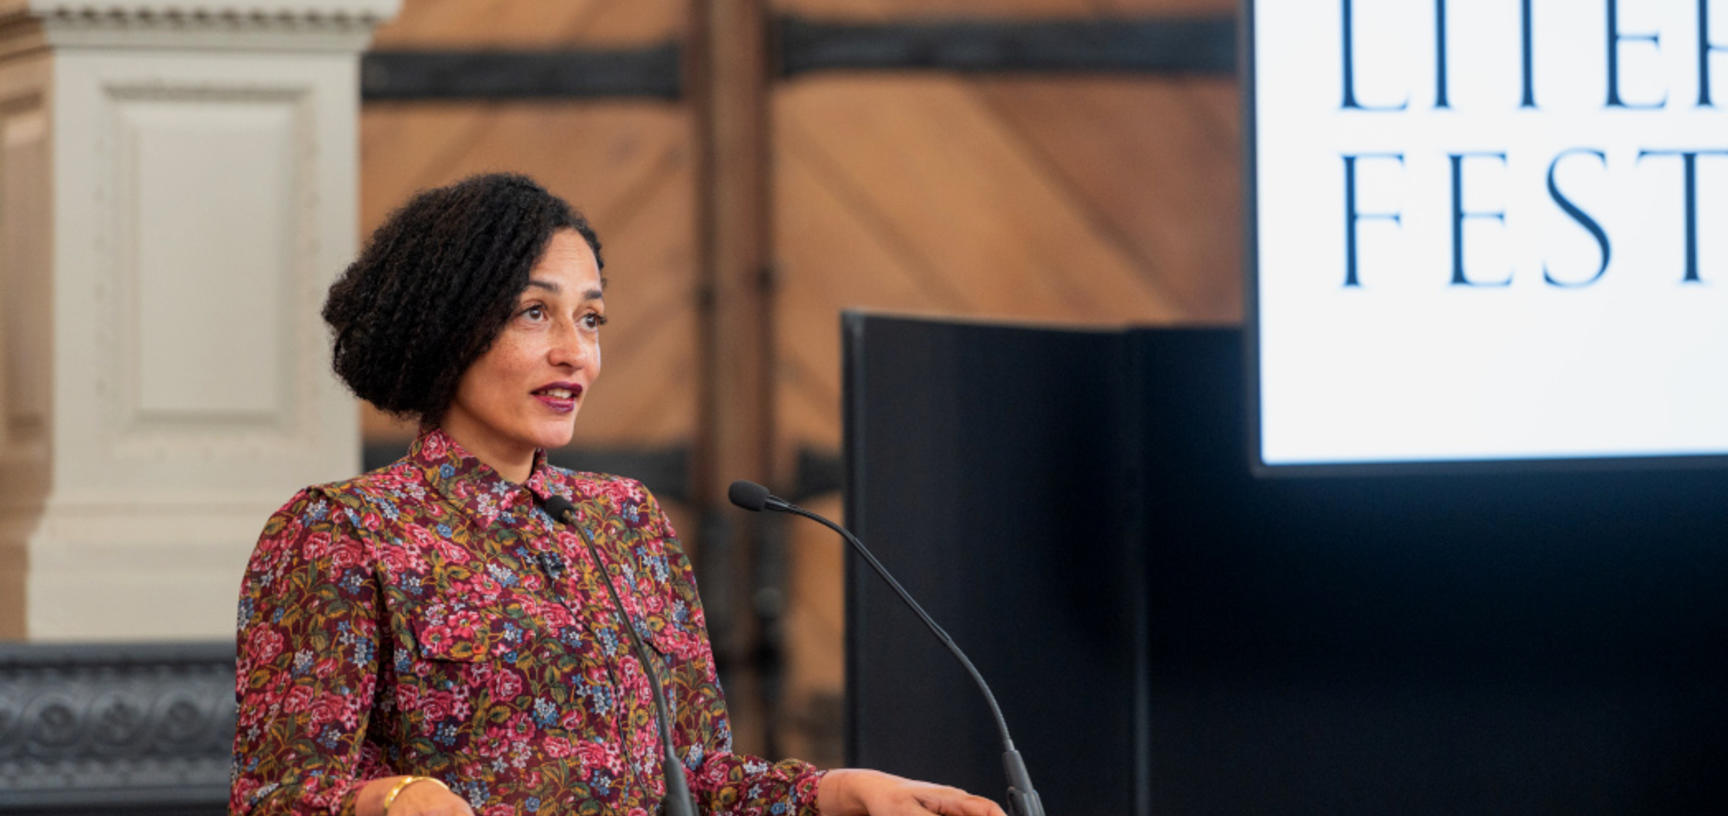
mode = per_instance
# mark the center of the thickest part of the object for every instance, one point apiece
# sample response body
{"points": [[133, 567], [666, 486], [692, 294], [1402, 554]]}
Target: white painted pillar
{"points": [[178, 186]]}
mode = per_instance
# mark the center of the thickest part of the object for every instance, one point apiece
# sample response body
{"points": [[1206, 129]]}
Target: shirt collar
{"points": [[471, 484]]}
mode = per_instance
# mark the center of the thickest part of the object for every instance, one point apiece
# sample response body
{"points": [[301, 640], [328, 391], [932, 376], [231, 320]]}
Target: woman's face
{"points": [[524, 392]]}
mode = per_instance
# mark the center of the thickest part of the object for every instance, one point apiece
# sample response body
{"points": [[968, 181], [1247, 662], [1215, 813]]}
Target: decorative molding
{"points": [[116, 726], [370, 11], [333, 25], [230, 14], [132, 432]]}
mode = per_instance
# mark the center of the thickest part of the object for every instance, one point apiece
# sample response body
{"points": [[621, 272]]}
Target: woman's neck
{"points": [[511, 460]]}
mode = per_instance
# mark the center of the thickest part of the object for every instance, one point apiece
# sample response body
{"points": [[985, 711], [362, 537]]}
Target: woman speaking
{"points": [[425, 638]]}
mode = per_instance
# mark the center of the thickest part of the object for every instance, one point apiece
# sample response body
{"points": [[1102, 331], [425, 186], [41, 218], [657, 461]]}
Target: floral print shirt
{"points": [[430, 618]]}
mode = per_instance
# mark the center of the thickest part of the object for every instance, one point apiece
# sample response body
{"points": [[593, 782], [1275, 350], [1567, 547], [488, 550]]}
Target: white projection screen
{"points": [[1487, 231]]}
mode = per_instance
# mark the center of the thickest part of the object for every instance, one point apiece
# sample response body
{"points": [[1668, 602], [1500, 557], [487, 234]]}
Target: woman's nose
{"points": [[571, 347]]}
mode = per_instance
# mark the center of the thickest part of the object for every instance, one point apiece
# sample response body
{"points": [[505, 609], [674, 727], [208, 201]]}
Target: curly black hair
{"points": [[436, 284]]}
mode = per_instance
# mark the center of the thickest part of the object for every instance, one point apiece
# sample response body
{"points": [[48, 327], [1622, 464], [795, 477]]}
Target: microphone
{"points": [[754, 497], [678, 801], [1022, 799]]}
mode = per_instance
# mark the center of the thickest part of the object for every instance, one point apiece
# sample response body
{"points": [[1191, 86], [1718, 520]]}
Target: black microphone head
{"points": [[748, 495], [557, 506]]}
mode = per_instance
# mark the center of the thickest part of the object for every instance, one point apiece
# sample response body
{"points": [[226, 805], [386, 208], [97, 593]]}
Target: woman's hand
{"points": [[859, 792], [422, 798]]}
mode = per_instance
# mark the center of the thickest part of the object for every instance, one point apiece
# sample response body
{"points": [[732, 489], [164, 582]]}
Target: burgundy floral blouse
{"points": [[429, 618]]}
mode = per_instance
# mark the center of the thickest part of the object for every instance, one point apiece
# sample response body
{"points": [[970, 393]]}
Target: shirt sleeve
{"points": [[724, 783], [307, 666]]}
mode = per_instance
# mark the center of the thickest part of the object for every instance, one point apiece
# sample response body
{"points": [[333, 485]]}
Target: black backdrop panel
{"points": [[981, 470], [1502, 642]]}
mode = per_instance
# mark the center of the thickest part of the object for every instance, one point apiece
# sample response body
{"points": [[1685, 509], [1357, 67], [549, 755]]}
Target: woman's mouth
{"points": [[560, 398]]}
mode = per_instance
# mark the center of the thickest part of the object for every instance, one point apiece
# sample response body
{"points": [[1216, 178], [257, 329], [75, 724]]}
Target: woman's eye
{"points": [[593, 320], [534, 312]]}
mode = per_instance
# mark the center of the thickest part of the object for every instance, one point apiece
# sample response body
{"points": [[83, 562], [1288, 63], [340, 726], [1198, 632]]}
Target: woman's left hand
{"points": [[859, 792]]}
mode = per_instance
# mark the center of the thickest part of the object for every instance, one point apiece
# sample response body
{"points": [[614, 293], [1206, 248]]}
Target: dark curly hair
{"points": [[435, 285]]}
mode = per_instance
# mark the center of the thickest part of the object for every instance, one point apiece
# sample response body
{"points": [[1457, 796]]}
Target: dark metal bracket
{"points": [[1129, 45], [401, 75]]}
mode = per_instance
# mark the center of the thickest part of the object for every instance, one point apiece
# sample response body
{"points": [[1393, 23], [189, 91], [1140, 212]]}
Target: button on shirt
{"points": [[430, 618]]}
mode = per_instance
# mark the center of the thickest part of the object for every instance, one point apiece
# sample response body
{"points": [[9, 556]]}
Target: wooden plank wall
{"points": [[1076, 199], [626, 164]]}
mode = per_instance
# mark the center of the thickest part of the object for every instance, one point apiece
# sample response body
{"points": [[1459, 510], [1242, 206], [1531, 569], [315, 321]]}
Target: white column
{"points": [[178, 187]]}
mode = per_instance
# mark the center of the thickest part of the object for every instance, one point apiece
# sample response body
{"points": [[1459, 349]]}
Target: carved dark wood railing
{"points": [[143, 728]]}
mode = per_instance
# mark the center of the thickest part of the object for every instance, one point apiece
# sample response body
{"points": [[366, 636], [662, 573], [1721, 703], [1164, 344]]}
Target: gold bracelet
{"points": [[390, 798]]}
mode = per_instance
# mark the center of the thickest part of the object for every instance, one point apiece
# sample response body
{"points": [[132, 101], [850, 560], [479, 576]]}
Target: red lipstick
{"points": [[559, 396]]}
